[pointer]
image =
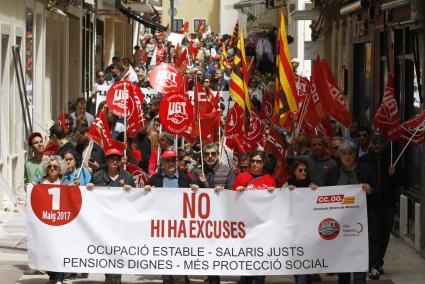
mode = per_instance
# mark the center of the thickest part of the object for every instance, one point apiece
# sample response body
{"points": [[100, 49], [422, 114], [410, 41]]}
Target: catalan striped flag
{"points": [[223, 58], [234, 37], [239, 78], [285, 100]]}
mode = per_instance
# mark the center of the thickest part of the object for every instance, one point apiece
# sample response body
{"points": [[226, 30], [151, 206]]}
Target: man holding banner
{"points": [[351, 172]]}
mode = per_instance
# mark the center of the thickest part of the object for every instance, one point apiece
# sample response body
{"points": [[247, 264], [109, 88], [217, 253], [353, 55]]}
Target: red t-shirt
{"points": [[247, 180]]}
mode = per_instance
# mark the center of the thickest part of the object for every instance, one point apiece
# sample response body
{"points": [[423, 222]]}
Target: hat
{"points": [[33, 135], [295, 60], [169, 154], [112, 152]]}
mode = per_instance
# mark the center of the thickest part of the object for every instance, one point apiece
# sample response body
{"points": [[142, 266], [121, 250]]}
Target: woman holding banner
{"points": [[113, 176], [54, 167], [256, 177]]}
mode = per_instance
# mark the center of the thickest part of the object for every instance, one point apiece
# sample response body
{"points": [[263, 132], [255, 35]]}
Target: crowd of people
{"points": [[359, 157]]}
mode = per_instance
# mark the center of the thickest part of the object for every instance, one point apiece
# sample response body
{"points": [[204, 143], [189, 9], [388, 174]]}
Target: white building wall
{"points": [[228, 16], [12, 152], [49, 83]]}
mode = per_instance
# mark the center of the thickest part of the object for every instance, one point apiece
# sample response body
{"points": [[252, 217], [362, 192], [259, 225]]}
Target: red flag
{"points": [[61, 122], [51, 148], [254, 134], [266, 111], [330, 94], [140, 176], [181, 58], [234, 126], [185, 28], [99, 131], [201, 28], [274, 146], [414, 127], [136, 119], [192, 49], [387, 117]]}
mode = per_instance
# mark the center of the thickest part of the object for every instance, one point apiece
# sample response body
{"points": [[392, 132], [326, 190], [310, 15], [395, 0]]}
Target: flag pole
{"points": [[199, 124], [125, 122], [407, 144], [84, 158], [391, 147]]}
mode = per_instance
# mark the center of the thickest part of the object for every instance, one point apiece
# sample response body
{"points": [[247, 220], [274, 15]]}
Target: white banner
{"points": [[174, 231]]}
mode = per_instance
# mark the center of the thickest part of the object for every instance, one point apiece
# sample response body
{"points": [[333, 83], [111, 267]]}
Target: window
{"points": [[197, 23], [177, 25]]}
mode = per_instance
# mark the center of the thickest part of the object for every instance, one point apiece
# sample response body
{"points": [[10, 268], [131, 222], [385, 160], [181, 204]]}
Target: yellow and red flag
{"points": [[223, 58], [286, 92], [234, 37], [239, 78]]}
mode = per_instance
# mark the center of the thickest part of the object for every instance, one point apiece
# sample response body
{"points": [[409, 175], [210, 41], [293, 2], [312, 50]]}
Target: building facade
{"points": [[363, 41]]}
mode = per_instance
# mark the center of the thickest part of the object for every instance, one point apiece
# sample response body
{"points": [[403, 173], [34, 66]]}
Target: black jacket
{"points": [[101, 178], [156, 180], [364, 175], [299, 183], [387, 186]]}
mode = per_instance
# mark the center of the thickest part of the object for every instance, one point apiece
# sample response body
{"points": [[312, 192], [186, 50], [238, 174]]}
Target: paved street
{"points": [[403, 265]]}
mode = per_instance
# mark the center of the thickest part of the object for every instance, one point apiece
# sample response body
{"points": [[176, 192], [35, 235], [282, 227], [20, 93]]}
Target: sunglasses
{"points": [[212, 154], [302, 170], [53, 167], [254, 161], [114, 159], [101, 76], [187, 162]]}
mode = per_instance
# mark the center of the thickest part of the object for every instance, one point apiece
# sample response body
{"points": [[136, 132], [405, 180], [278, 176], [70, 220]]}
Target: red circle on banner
{"points": [[166, 78], [329, 229], [176, 113], [56, 205], [116, 95]]}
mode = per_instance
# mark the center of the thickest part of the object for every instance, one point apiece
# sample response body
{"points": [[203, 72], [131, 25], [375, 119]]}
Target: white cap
{"points": [[295, 60]]}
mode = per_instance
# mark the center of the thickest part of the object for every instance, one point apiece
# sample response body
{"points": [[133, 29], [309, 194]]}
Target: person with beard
{"points": [[381, 208], [166, 142], [220, 84], [363, 141], [216, 175]]}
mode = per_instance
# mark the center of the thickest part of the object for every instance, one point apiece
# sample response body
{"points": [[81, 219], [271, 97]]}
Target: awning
{"points": [[131, 14], [305, 15], [269, 20]]}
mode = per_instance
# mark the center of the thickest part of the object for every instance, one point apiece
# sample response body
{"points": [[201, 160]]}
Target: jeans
{"points": [[359, 278], [56, 276], [302, 279], [252, 279]]}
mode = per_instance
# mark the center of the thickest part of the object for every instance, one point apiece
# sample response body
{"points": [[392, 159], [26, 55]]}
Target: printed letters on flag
{"points": [[415, 124], [101, 134], [274, 146], [387, 117], [140, 176], [330, 93]]}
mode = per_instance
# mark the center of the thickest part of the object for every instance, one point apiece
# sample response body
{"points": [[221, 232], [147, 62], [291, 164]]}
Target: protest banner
{"points": [[175, 231]]}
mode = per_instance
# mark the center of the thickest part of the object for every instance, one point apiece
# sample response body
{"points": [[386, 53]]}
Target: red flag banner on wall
{"points": [[387, 117]]}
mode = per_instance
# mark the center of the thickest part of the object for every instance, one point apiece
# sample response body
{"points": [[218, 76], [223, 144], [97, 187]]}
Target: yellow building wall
{"points": [[190, 10]]}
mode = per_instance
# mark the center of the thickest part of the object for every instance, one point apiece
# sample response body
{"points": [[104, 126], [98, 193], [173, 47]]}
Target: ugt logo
{"points": [[166, 78], [177, 112]]}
